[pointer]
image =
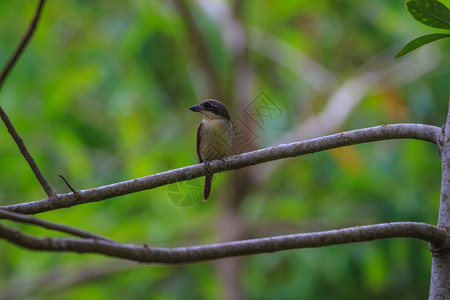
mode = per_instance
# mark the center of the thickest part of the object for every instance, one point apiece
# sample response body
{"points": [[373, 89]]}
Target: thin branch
{"points": [[23, 43], [26, 154], [12, 131], [145, 254], [371, 134], [4, 214], [67, 183]]}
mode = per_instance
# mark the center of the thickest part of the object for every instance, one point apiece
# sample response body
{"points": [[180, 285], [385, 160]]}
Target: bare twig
{"points": [[371, 134], [23, 43], [4, 214], [26, 154], [146, 254], [12, 131], [67, 183]]}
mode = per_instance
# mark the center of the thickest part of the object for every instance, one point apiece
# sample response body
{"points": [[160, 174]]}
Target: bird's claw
{"points": [[206, 165]]}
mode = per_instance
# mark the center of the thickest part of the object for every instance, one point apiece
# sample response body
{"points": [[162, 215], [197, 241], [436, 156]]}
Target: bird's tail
{"points": [[207, 186]]}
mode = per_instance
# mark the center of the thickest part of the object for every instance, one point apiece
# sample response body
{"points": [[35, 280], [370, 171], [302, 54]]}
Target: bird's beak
{"points": [[196, 108]]}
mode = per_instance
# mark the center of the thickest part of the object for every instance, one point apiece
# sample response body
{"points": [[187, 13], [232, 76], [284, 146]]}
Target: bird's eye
{"points": [[207, 105]]}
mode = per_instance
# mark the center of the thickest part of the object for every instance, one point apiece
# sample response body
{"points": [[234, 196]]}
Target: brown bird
{"points": [[215, 136]]}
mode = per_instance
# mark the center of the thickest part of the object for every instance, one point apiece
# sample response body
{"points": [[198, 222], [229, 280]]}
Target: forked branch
{"points": [[8, 215]]}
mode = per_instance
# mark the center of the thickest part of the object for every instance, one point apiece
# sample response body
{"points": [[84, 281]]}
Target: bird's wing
{"points": [[199, 132], [235, 132]]}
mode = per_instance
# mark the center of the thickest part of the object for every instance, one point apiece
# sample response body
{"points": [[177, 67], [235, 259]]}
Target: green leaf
{"points": [[429, 12], [420, 41]]}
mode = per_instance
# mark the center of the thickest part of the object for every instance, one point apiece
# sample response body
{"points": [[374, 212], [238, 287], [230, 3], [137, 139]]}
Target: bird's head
{"points": [[211, 109]]}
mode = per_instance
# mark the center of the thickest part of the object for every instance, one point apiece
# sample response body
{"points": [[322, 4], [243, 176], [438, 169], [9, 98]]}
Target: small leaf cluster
{"points": [[431, 13]]}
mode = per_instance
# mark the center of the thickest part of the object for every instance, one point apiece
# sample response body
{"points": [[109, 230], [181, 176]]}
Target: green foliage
{"points": [[420, 41], [431, 13]]}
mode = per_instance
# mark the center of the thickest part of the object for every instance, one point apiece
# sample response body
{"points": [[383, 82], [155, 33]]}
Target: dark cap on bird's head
{"points": [[211, 108]]}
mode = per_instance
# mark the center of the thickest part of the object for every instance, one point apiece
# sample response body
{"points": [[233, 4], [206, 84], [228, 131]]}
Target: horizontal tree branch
{"points": [[383, 132], [8, 215], [146, 254]]}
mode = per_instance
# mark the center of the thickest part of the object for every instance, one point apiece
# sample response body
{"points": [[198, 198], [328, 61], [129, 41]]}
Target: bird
{"points": [[215, 136]]}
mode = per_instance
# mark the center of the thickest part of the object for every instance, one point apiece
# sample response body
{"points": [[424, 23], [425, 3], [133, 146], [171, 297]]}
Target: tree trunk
{"points": [[440, 265]]}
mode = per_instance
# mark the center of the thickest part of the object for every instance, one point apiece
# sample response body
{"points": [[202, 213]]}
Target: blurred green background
{"points": [[102, 94]]}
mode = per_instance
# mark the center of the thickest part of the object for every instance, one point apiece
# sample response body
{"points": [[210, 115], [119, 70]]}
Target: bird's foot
{"points": [[206, 162]]}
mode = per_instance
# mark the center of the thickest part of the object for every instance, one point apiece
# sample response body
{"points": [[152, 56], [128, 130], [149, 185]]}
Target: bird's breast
{"points": [[217, 137]]}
